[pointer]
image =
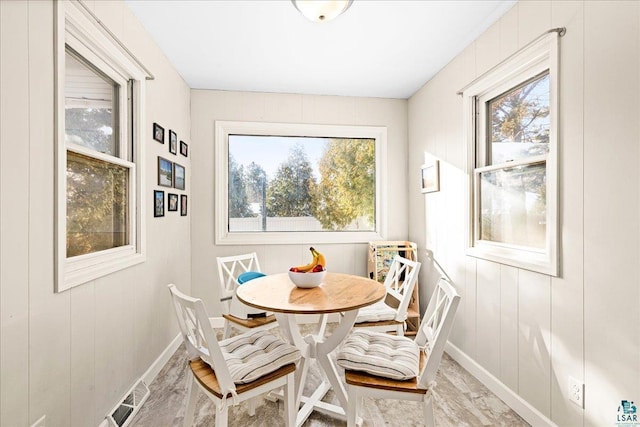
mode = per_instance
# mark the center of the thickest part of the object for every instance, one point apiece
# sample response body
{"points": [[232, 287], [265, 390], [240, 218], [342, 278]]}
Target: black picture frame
{"points": [[158, 203], [172, 202], [158, 133], [165, 172], [179, 176], [184, 149], [173, 142], [183, 205]]}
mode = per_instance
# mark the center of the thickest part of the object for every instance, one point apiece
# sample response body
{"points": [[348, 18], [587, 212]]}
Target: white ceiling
{"points": [[385, 49]]}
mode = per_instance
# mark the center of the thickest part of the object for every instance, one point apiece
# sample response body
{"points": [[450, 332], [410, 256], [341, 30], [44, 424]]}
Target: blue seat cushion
{"points": [[249, 275]]}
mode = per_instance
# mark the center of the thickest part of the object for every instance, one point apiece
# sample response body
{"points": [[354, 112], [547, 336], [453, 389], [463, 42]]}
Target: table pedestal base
{"points": [[313, 403], [317, 347]]}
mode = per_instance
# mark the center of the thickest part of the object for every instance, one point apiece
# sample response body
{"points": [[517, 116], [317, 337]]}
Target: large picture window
{"points": [[512, 133], [298, 183], [99, 130]]}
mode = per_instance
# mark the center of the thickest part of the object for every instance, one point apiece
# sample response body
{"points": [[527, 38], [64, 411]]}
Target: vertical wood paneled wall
{"points": [[532, 331], [207, 106], [71, 356]]}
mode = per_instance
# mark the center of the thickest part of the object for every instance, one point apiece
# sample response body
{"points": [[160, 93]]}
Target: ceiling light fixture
{"points": [[321, 10]]}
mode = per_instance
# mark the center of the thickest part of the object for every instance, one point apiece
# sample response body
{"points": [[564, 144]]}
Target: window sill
{"points": [[294, 238], [527, 260], [100, 268]]}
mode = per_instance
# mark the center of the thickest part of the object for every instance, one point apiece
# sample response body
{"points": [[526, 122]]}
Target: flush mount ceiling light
{"points": [[321, 10]]}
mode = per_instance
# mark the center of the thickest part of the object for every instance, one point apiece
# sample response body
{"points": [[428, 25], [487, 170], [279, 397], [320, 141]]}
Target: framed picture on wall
{"points": [[178, 176], [165, 172], [431, 176], [173, 142], [172, 202], [158, 133], [183, 205], [158, 203], [184, 148]]}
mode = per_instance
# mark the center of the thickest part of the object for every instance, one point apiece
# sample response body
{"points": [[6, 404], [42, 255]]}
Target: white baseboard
{"points": [[162, 360], [508, 396]]}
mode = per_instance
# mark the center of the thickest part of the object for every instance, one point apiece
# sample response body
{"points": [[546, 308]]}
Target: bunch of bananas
{"points": [[318, 264]]}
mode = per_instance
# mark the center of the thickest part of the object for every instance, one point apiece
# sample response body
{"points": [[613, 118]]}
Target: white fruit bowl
{"points": [[307, 280]]}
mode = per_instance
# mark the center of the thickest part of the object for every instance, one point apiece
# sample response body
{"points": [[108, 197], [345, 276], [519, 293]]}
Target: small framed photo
{"points": [[173, 142], [158, 203], [165, 172], [158, 133], [431, 176], [172, 202], [183, 205], [184, 149], [178, 176]]}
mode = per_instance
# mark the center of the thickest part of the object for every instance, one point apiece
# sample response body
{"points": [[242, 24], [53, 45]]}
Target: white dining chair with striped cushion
{"points": [[235, 369], [237, 315], [390, 314], [383, 366]]}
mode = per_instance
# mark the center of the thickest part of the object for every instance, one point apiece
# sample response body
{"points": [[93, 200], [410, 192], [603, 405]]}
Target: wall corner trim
{"points": [[510, 397]]}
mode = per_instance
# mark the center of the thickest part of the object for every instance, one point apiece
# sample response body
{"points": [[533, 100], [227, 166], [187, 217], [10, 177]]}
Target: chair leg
{"points": [[222, 415], [192, 399], [227, 330], [290, 410], [353, 409], [253, 402], [429, 420], [400, 330]]}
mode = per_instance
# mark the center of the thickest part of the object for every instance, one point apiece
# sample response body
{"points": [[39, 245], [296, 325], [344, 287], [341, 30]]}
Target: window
{"points": [[286, 183], [98, 179], [512, 134]]}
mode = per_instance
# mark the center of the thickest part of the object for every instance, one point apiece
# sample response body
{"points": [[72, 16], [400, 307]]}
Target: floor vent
{"points": [[123, 414]]}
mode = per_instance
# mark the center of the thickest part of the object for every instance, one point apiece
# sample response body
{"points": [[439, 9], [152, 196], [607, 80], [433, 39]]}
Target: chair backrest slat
{"points": [[435, 328], [199, 337], [230, 267], [400, 282]]}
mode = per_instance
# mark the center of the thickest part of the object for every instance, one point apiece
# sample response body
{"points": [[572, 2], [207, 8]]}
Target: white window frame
{"points": [[532, 60], [76, 28], [225, 128]]}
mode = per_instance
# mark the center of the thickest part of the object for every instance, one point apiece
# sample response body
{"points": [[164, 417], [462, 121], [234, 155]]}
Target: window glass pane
{"points": [[519, 122], [513, 205], [90, 107], [97, 205], [284, 183]]}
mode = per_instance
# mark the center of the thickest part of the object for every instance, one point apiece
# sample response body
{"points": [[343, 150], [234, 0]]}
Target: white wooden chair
{"points": [[390, 357], [237, 314], [390, 314], [235, 369]]}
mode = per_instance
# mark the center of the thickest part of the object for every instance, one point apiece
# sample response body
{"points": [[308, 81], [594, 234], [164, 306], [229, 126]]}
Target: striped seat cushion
{"points": [[384, 355], [376, 313], [252, 355]]}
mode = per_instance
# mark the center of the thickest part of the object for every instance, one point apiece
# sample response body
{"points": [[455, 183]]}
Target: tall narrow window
{"points": [[513, 136], [97, 177], [99, 215]]}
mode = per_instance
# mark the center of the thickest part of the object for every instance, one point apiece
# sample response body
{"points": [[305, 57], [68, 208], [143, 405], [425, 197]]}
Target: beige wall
{"points": [[72, 355], [528, 330], [209, 106]]}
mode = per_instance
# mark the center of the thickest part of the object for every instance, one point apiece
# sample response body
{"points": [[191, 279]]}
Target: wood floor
{"points": [[460, 400]]}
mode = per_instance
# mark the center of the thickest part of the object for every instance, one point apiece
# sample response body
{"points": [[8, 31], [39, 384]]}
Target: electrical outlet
{"points": [[40, 422], [576, 392]]}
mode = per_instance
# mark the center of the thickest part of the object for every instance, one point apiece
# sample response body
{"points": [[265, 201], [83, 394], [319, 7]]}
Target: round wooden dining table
{"points": [[338, 293]]}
